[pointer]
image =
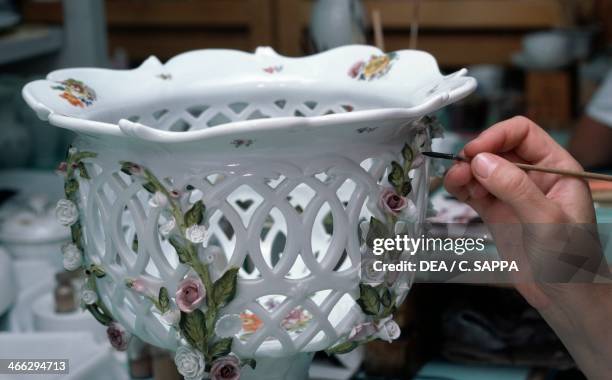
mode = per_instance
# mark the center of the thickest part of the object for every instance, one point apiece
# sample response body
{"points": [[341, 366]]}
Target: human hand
{"points": [[531, 208]]}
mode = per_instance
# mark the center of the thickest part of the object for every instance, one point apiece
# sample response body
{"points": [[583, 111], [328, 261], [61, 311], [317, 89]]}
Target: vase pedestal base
{"points": [[286, 368]]}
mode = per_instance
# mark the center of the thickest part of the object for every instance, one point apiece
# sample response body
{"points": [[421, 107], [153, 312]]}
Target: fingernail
{"points": [[483, 165]]}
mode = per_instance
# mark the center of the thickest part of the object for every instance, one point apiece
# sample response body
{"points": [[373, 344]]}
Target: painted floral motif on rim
{"points": [[273, 69], [76, 92], [374, 68]]}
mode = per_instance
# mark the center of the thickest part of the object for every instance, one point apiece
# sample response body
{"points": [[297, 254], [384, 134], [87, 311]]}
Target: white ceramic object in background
{"points": [[272, 146], [21, 316], [8, 284], [46, 319], [30, 231], [88, 359], [335, 23], [28, 227], [545, 50], [549, 48]]}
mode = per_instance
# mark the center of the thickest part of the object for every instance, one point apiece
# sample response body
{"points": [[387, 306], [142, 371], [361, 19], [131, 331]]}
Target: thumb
{"points": [[511, 185]]}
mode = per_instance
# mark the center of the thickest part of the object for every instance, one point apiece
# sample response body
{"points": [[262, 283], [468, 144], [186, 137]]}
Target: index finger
{"points": [[524, 138]]}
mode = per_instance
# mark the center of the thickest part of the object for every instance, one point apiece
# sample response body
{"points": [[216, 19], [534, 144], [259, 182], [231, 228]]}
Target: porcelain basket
{"points": [[282, 165]]}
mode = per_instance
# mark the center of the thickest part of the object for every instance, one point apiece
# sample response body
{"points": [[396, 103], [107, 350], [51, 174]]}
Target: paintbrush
{"points": [[527, 167]]}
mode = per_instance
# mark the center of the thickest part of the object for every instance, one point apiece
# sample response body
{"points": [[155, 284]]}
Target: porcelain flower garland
{"points": [[377, 297], [199, 300], [67, 214]]}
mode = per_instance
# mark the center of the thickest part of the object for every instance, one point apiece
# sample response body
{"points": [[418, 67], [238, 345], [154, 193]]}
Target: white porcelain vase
{"points": [[279, 165]]}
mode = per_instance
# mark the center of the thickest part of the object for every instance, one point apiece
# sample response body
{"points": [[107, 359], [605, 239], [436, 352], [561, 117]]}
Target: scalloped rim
{"points": [[460, 86]]}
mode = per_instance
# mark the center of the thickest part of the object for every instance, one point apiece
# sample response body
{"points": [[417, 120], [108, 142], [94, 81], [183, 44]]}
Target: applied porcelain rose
{"points": [[288, 155]]}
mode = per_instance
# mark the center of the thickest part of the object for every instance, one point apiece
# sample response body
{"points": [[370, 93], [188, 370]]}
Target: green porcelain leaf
{"points": [[99, 315], [250, 362], [368, 299], [195, 214], [71, 186], [83, 155], [378, 230], [224, 288], [181, 250], [386, 298], [77, 234], [396, 176], [406, 188], [407, 153], [163, 300], [221, 348], [193, 329], [83, 170], [342, 348]]}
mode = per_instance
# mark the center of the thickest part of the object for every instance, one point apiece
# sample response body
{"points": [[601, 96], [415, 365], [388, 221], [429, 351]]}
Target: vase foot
{"points": [[286, 368]]}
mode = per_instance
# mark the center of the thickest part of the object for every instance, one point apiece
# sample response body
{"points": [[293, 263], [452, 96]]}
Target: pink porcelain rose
{"points": [[392, 201], [118, 337], [225, 368], [190, 294]]}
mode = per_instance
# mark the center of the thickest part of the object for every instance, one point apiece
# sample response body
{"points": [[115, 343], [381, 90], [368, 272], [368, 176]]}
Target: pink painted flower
{"points": [[190, 294], [225, 368], [392, 201], [118, 337], [355, 69]]}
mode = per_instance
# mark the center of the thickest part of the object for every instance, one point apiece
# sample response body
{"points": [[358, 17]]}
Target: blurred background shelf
{"points": [[457, 32], [28, 42], [166, 28]]}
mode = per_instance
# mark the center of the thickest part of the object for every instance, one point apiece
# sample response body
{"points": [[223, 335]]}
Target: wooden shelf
{"points": [[29, 41], [457, 32], [165, 28], [456, 14], [462, 49]]}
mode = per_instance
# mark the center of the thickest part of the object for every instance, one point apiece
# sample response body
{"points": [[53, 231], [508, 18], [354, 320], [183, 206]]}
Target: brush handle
{"points": [[570, 173], [527, 167]]}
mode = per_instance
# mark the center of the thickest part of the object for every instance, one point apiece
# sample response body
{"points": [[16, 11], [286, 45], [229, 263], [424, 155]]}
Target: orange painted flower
{"points": [[71, 99], [250, 322], [376, 66]]}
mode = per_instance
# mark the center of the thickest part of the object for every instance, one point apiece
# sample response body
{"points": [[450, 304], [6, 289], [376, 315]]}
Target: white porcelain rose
{"points": [[388, 329], [196, 233], [89, 297], [73, 257], [189, 363], [66, 212]]}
